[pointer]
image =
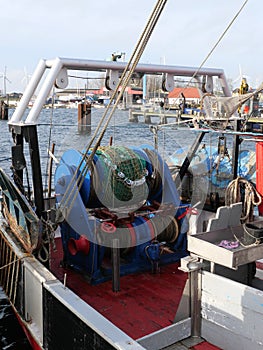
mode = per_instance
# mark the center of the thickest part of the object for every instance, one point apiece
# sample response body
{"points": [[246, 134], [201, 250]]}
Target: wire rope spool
{"points": [[166, 228], [155, 181], [140, 230]]}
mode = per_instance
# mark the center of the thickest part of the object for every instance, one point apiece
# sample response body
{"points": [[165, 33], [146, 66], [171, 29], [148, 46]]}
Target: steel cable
{"points": [[122, 84]]}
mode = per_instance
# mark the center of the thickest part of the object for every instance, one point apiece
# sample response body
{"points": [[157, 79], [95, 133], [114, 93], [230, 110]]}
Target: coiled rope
{"points": [[77, 180], [241, 190]]}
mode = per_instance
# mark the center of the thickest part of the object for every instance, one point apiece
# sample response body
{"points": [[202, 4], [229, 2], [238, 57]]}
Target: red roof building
{"points": [[191, 94]]}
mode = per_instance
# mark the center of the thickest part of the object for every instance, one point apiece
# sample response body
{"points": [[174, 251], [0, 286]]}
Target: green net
{"points": [[121, 179]]}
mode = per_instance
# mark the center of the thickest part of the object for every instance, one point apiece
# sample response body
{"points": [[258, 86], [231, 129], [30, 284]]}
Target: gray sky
{"points": [[186, 32]]}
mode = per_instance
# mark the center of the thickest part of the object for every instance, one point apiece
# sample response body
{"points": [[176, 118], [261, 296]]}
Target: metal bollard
{"points": [[84, 118], [195, 298]]}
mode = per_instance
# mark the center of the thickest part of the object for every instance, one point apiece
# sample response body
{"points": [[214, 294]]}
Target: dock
{"points": [[194, 118], [148, 114]]}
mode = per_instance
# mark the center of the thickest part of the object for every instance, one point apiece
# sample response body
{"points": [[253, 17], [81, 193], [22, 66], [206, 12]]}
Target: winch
{"points": [[128, 196]]}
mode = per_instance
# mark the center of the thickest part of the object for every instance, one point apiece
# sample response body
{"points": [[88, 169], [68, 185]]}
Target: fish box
{"points": [[206, 245]]}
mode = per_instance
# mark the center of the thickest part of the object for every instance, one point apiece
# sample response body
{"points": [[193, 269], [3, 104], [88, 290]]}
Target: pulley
{"points": [[222, 148], [167, 82], [111, 80], [209, 84], [62, 79]]}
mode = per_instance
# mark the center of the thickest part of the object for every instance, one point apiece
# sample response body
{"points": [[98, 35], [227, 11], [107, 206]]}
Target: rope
{"points": [[122, 84], [219, 40], [13, 262], [215, 45], [241, 190]]}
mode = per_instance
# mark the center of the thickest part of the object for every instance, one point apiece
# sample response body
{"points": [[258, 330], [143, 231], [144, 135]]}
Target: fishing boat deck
{"points": [[146, 302]]}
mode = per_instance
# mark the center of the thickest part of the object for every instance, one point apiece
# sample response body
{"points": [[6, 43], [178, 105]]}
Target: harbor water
{"points": [[11, 335], [59, 127]]}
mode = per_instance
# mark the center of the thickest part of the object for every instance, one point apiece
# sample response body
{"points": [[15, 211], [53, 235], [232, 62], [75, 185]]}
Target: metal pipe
{"points": [[45, 90], [57, 64], [195, 305], [29, 92], [190, 155], [224, 85], [115, 265], [96, 65], [195, 298]]}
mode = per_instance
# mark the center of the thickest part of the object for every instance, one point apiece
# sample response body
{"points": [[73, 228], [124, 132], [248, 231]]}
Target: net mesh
{"points": [[225, 107], [122, 177]]}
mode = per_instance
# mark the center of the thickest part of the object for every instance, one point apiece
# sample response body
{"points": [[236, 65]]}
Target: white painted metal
{"points": [[29, 92], [232, 314], [167, 336], [58, 64], [44, 92], [113, 79], [62, 79], [34, 275], [205, 245], [209, 85], [226, 216], [168, 81]]}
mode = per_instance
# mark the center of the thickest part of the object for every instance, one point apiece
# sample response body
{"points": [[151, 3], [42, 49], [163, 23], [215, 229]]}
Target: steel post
{"points": [[115, 265]]}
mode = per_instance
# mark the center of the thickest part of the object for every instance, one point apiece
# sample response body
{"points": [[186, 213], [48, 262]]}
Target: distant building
{"points": [[131, 94], [191, 95]]}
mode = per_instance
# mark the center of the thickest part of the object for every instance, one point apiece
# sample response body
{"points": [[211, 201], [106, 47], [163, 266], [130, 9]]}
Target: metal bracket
{"points": [[187, 262]]}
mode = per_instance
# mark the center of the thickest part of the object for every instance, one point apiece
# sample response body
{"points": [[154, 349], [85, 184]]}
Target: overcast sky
{"points": [[186, 32]]}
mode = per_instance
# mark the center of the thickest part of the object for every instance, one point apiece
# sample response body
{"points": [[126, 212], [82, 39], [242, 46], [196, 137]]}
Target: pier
{"points": [[148, 114]]}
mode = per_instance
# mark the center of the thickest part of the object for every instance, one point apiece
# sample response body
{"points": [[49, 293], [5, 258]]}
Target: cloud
{"points": [[184, 35]]}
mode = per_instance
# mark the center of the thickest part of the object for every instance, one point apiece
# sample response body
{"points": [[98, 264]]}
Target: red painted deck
{"points": [[146, 303]]}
